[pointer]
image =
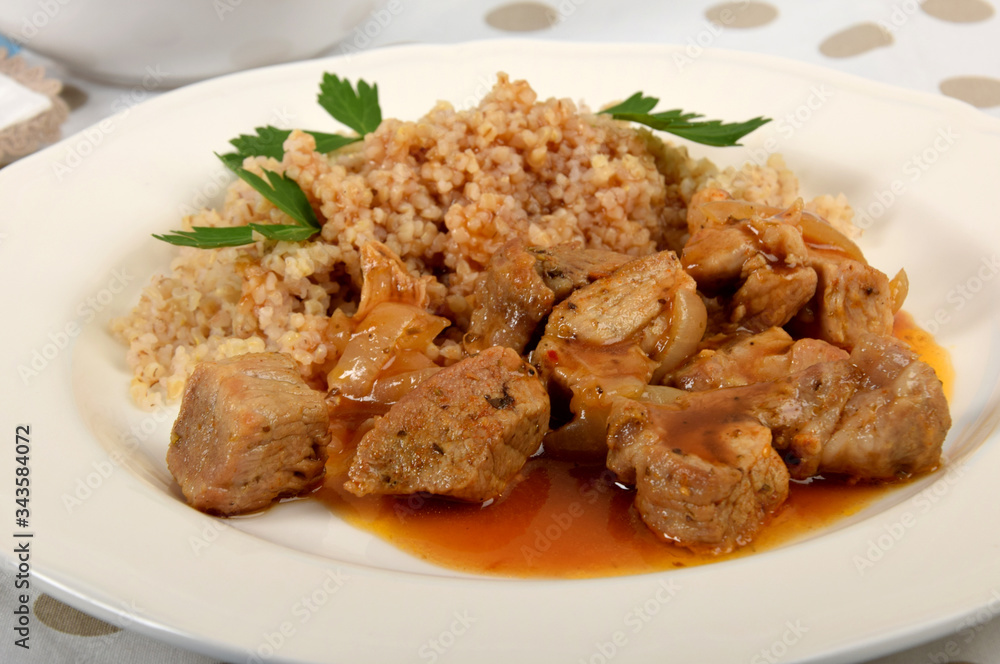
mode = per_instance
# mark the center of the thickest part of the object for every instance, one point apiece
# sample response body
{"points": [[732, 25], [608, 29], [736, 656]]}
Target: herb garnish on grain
{"points": [[708, 132], [358, 108]]}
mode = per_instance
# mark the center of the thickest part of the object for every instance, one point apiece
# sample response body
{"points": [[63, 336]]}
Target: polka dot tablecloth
{"points": [[947, 47]]}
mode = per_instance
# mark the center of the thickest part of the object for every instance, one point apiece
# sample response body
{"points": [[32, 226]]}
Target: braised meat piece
{"points": [[776, 266], [879, 415], [705, 466], [752, 358], [896, 423], [612, 338], [520, 286], [762, 260], [771, 296], [513, 300], [464, 432], [852, 300], [250, 431], [566, 267], [706, 482]]}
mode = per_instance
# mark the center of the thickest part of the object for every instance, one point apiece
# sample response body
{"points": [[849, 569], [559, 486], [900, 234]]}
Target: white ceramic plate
{"points": [[112, 537]]}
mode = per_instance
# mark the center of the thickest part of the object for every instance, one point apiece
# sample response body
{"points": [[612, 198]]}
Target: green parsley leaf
{"points": [[326, 143], [286, 195], [284, 192], [286, 232], [637, 103], [708, 132], [209, 237], [269, 142], [232, 160], [359, 109]]}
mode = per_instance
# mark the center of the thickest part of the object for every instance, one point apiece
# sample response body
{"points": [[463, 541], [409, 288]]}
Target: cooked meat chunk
{"points": [[802, 410], [464, 432], [786, 265], [520, 286], [715, 257], [566, 267], [852, 300], [879, 415], [895, 426], [704, 482], [771, 296], [613, 337], [762, 260], [700, 213], [752, 358], [513, 300], [250, 431]]}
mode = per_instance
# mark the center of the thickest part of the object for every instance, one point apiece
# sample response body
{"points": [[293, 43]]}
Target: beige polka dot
{"points": [[522, 17], [855, 40], [73, 96], [980, 91], [68, 620], [741, 14], [958, 11]]}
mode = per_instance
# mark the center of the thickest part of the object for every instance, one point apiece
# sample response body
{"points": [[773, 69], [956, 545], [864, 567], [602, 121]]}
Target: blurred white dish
{"points": [[167, 44]]}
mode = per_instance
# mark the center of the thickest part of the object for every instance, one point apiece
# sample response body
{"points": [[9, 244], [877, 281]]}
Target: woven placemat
{"points": [[26, 137]]}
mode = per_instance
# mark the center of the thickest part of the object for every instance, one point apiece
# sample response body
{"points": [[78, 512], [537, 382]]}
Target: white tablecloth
{"points": [[940, 46]]}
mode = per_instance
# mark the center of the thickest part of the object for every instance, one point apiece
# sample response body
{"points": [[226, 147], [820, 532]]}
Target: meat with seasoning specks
{"points": [[463, 433], [250, 431]]}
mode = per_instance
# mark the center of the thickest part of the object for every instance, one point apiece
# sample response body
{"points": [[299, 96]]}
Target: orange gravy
{"points": [[567, 520]]}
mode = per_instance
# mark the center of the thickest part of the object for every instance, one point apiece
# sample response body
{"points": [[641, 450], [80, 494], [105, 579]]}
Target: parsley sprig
{"points": [[356, 108], [708, 132]]}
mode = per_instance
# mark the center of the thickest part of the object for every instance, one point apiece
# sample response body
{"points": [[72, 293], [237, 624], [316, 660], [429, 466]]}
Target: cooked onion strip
{"points": [[900, 287]]}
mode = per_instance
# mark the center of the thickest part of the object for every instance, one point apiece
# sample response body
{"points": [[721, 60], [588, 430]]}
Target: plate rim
{"points": [[991, 125]]}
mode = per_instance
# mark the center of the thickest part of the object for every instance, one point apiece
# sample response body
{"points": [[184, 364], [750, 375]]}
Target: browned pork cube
{"points": [[705, 482], [463, 433], [250, 431]]}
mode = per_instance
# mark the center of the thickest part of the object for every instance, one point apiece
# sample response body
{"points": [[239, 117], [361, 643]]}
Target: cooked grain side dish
{"points": [[527, 277]]}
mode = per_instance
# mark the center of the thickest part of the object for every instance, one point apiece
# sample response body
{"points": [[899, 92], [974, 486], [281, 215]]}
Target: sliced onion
{"points": [[661, 394], [688, 320], [389, 328], [900, 288], [818, 231], [390, 389]]}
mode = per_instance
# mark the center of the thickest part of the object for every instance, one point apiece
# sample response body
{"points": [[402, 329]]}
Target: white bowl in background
{"points": [[167, 44]]}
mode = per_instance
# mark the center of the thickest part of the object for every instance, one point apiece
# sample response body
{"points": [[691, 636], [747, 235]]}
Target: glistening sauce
{"points": [[572, 521]]}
